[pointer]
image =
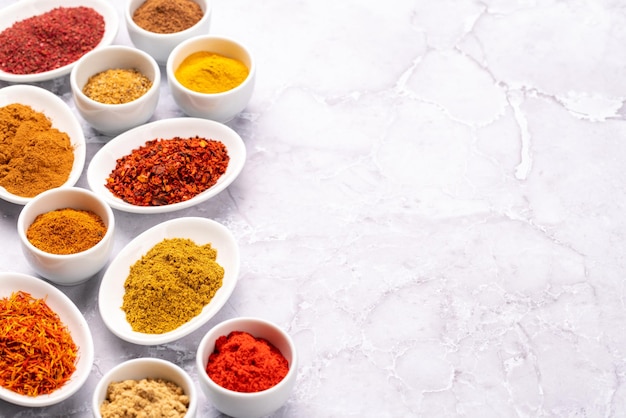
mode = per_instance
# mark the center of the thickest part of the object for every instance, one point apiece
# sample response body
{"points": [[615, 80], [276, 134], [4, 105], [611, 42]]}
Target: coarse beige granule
{"points": [[145, 398]]}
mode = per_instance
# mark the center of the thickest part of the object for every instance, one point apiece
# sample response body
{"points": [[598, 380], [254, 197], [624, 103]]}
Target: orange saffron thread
{"points": [[37, 352]]}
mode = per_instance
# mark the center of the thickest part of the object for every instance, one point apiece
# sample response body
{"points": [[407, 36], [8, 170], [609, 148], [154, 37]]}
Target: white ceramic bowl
{"points": [[67, 269], [255, 404], [62, 118], [112, 119], [71, 316], [104, 161], [221, 107], [28, 8], [144, 368], [159, 45], [201, 231]]}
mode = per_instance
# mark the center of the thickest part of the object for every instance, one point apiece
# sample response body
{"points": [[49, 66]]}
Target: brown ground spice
{"points": [[167, 16]]}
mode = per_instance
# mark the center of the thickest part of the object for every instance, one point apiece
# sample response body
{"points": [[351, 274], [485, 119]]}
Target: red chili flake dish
{"points": [[50, 40], [166, 171]]}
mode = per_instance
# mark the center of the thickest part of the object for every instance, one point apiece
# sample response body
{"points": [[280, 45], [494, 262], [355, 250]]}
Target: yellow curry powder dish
{"points": [[170, 285]]}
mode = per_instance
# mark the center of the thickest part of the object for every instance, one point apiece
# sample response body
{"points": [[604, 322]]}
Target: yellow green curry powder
{"points": [[170, 285]]}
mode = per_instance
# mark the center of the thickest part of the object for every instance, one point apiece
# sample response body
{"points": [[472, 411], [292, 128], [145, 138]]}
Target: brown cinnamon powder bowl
{"points": [[159, 45]]}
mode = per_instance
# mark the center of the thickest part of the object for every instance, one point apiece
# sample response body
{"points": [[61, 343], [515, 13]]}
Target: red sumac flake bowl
{"points": [[252, 404], [25, 9]]}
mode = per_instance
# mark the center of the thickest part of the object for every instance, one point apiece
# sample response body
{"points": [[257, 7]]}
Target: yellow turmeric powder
{"points": [[207, 72]]}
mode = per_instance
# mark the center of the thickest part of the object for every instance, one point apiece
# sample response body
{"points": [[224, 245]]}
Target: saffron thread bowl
{"points": [[62, 118], [71, 316], [25, 9], [251, 404], [201, 231], [104, 161], [160, 45], [146, 368]]}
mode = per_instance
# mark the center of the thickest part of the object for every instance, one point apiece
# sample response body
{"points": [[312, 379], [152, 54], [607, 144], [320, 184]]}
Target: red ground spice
{"points": [[243, 363], [50, 40], [166, 171]]}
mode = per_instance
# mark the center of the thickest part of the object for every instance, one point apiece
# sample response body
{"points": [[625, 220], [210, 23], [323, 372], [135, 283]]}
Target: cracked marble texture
{"points": [[433, 205]]}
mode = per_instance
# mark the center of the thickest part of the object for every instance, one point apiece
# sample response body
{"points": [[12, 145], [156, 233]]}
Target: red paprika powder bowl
{"points": [[240, 404]]}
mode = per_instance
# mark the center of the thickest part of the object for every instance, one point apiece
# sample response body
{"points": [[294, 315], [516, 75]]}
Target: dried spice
{"points": [[243, 363], [144, 398], [34, 156], [50, 40], [37, 353], [66, 231], [170, 285], [166, 171], [167, 16], [207, 72], [117, 86]]}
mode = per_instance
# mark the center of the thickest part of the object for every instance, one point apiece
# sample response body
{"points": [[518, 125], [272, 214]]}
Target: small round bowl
{"points": [[145, 368], [67, 269], [159, 45], [71, 317], [221, 107], [112, 119], [254, 404]]}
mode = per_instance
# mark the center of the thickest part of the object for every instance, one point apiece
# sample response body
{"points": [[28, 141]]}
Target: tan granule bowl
{"points": [[143, 368]]}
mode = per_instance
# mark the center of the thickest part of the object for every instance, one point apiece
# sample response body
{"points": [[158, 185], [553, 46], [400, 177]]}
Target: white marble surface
{"points": [[433, 207]]}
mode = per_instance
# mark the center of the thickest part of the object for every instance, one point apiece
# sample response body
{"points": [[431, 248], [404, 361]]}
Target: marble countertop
{"points": [[433, 206]]}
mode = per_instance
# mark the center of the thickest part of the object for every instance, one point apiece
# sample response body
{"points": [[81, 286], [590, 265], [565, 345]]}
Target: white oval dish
{"points": [[103, 163], [63, 119], [201, 231], [28, 8], [71, 316]]}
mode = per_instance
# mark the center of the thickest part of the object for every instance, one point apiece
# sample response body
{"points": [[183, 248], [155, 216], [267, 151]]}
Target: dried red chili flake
{"points": [[50, 40], [166, 171]]}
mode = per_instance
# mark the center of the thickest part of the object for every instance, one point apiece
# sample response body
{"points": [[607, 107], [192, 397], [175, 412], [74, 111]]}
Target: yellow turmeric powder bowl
{"points": [[67, 269], [211, 77]]}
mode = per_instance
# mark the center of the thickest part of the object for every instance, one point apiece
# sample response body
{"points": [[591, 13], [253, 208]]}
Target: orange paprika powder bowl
{"points": [[68, 268], [248, 404]]}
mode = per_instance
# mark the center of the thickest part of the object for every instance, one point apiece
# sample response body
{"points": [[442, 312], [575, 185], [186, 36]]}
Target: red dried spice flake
{"points": [[37, 352], [50, 40], [166, 171]]}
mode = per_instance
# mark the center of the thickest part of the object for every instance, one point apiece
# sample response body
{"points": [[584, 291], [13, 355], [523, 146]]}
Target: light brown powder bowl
{"points": [[143, 368]]}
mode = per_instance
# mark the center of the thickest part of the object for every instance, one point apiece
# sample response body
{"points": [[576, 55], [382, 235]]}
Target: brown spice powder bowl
{"points": [[159, 45], [67, 269], [253, 404]]}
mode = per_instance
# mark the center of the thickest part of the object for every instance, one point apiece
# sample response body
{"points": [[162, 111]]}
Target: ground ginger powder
{"points": [[170, 285], [154, 398]]}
